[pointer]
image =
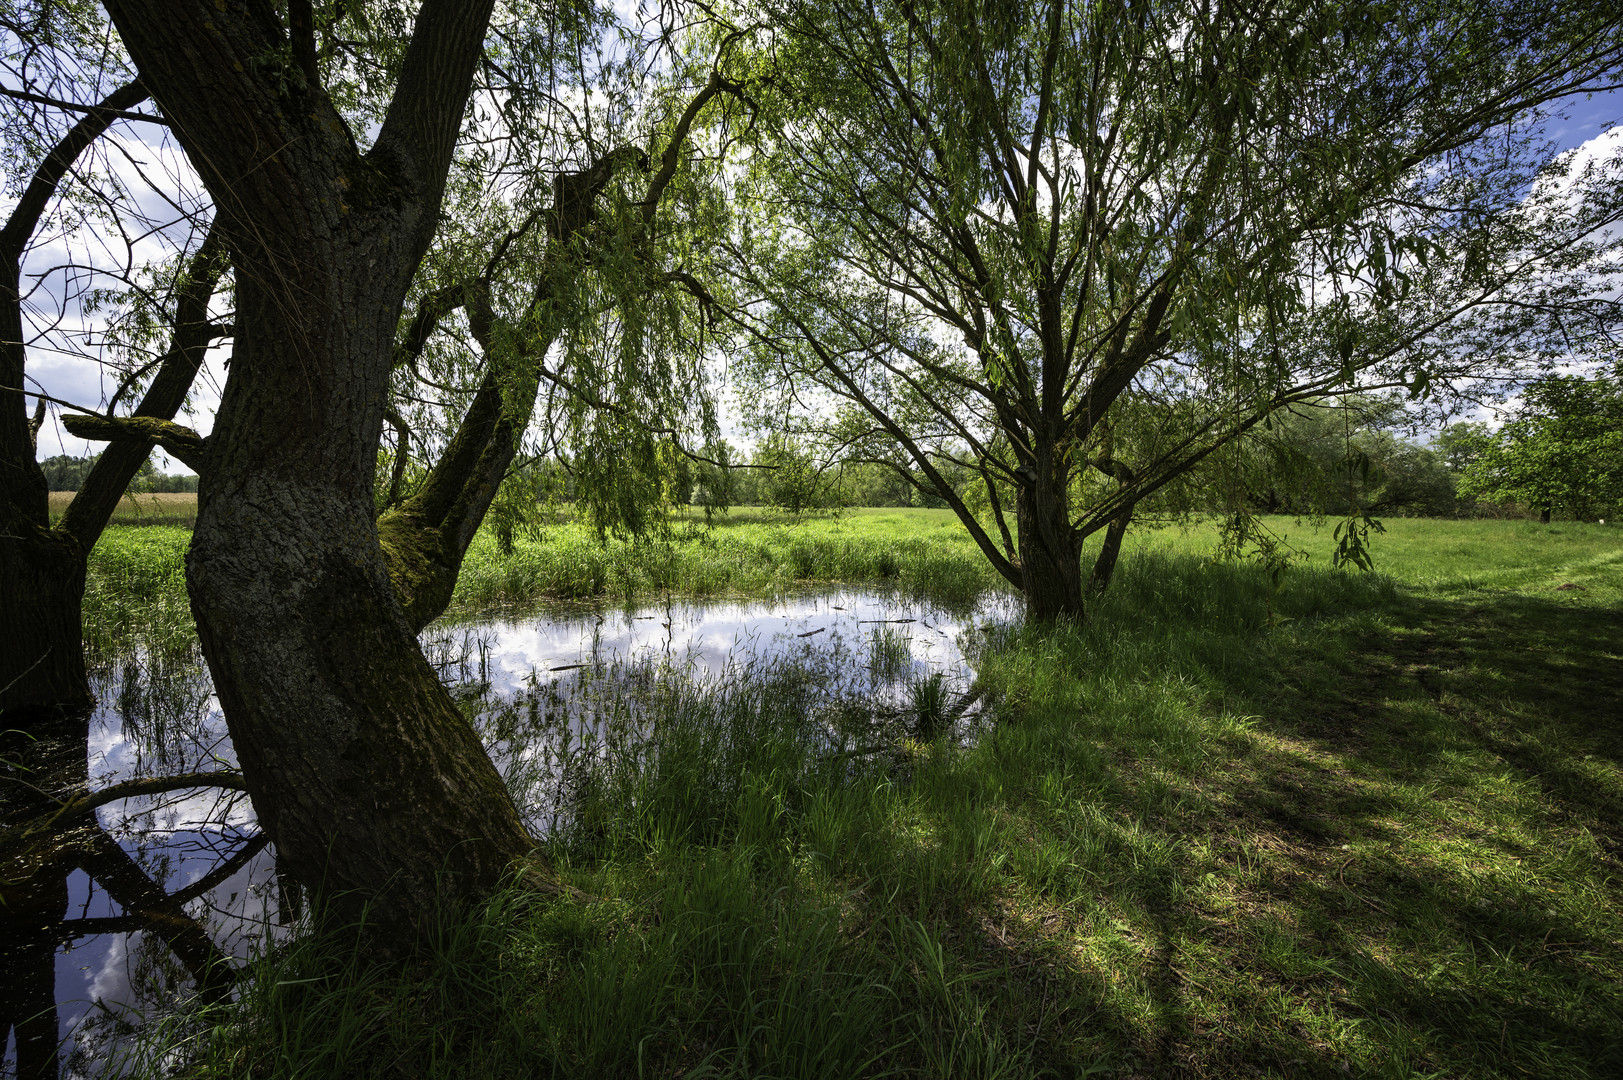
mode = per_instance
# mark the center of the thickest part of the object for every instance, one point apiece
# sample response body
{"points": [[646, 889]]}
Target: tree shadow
{"points": [[1365, 920]]}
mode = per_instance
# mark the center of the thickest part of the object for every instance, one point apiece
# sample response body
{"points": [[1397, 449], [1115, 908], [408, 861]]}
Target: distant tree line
{"points": [[66, 473], [1559, 453]]}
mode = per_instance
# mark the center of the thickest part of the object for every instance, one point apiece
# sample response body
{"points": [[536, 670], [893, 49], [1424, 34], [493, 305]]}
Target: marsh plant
{"points": [[929, 704], [586, 753], [890, 651]]}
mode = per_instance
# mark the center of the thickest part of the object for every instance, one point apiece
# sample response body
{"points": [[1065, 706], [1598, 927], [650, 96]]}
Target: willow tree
{"points": [[361, 767], [1077, 247], [58, 132], [358, 761], [576, 301], [65, 190]]}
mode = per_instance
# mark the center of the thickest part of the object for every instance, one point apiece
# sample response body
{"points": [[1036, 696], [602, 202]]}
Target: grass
{"points": [[1359, 824], [745, 554], [142, 508], [135, 592]]}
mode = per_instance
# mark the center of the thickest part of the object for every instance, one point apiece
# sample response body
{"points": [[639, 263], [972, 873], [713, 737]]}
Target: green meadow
{"points": [[1341, 823]]}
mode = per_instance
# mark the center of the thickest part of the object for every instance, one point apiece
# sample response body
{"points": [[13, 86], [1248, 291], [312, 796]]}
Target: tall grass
{"points": [[1350, 823], [135, 593], [719, 931], [748, 560]]}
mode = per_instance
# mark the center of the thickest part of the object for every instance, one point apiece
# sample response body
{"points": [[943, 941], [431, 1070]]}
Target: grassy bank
{"points": [[1358, 824], [745, 554]]}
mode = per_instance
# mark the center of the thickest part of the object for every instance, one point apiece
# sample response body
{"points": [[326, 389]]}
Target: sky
{"points": [[143, 153]]}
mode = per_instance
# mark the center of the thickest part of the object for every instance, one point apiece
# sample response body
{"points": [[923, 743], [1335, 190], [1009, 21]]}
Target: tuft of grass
{"points": [[928, 704], [890, 651]]}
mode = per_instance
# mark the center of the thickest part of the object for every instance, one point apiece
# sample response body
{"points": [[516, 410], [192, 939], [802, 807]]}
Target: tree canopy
{"points": [[1560, 451], [1046, 239]]}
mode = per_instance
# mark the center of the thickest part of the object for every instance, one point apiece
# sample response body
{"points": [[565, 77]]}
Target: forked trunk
{"points": [[1050, 554], [1104, 567], [42, 571], [426, 538], [361, 766], [362, 769]]}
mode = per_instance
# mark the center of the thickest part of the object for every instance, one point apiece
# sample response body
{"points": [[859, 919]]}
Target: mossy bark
{"points": [[378, 793], [426, 538]]}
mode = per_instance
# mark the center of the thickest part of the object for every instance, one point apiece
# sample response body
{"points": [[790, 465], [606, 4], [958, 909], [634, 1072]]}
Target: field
{"points": [[142, 508], [1348, 824]]}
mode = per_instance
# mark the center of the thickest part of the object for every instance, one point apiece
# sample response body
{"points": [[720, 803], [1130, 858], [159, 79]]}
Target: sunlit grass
{"points": [[750, 556], [1352, 824], [163, 508], [135, 592]]}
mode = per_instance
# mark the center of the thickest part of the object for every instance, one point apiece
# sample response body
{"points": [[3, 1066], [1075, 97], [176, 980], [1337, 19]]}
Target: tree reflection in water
{"points": [[135, 871]]}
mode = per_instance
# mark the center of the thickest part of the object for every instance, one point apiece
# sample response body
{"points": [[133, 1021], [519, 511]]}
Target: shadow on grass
{"points": [[1324, 831], [1404, 862], [1442, 808]]}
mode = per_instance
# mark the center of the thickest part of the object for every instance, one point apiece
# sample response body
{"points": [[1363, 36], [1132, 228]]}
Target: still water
{"points": [[548, 691]]}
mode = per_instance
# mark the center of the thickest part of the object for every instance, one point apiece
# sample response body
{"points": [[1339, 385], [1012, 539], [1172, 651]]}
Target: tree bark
{"points": [[361, 767], [1104, 567], [427, 537], [1050, 552]]}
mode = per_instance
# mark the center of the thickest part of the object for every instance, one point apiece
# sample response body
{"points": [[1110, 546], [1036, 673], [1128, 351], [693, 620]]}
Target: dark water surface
{"points": [[581, 676]]}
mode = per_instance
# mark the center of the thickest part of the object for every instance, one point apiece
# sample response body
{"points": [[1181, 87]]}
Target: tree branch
{"points": [[221, 873], [229, 779], [184, 443], [26, 214], [87, 515], [301, 29], [100, 111]]}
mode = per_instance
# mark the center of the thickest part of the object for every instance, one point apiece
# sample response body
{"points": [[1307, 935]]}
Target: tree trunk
{"points": [[426, 538], [46, 760], [361, 767], [1104, 567], [41, 570], [42, 584], [1050, 554]]}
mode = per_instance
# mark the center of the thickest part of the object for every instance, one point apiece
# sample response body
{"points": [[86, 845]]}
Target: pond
{"points": [[573, 703]]}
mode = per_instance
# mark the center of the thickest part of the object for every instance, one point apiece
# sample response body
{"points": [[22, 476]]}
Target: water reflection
{"points": [[560, 696]]}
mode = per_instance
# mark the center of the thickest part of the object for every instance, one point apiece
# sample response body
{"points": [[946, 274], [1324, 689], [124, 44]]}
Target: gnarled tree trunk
{"points": [[361, 767]]}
